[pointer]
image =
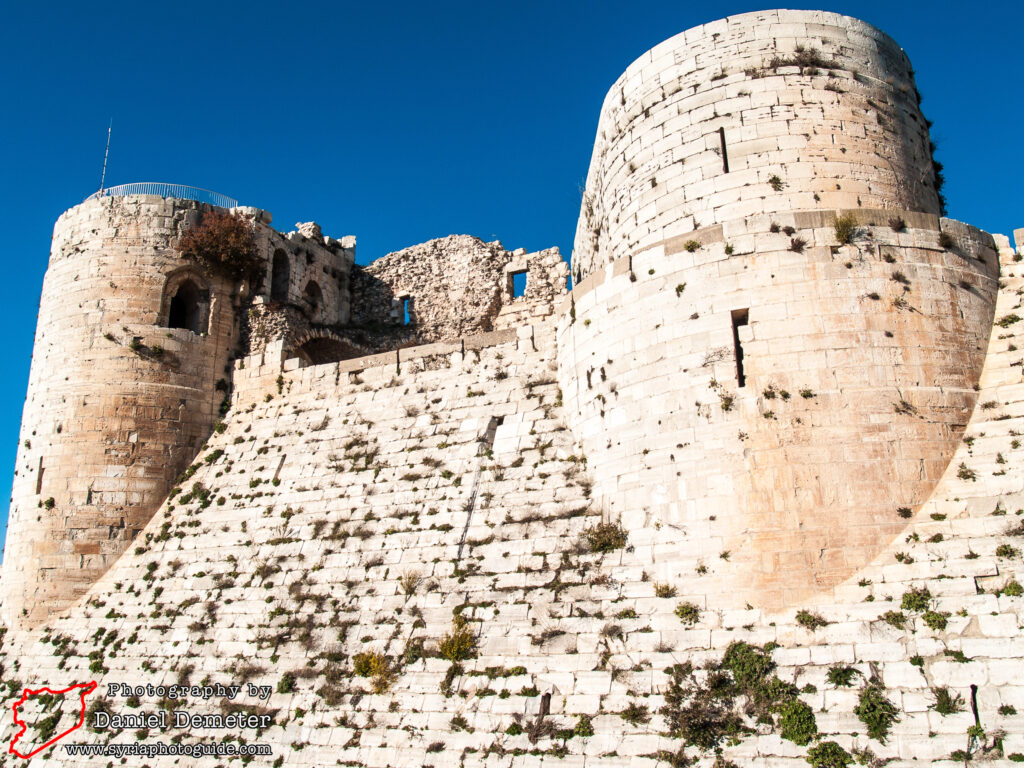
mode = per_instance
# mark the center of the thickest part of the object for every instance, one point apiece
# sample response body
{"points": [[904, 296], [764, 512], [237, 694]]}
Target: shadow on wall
{"points": [[382, 319], [328, 348]]}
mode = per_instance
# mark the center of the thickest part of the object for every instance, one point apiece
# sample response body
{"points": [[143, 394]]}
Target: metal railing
{"points": [[179, 191]]}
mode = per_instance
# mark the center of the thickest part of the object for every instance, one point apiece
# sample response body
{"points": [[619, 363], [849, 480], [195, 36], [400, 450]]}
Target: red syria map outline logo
{"points": [[87, 688]]}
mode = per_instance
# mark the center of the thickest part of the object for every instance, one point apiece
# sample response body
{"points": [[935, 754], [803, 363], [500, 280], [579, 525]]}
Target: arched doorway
{"points": [[186, 308], [314, 300], [325, 349]]}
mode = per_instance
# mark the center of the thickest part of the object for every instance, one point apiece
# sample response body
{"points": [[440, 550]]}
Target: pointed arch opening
{"points": [[186, 302], [313, 298], [185, 311]]}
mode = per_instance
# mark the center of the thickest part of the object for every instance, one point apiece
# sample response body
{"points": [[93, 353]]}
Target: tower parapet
{"points": [[752, 115]]}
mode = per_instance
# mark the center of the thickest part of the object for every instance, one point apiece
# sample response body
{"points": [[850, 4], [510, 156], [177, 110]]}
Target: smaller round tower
{"points": [[130, 371]]}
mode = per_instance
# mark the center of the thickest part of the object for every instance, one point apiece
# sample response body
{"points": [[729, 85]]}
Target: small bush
{"points": [[966, 473], [845, 227], [688, 613], [895, 618], [876, 711], [664, 590], [841, 675], [797, 245], [287, 683], [225, 244], [410, 581], [1007, 320], [605, 537], [1012, 588], [797, 723], [691, 245], [459, 644], [946, 241], [811, 621], [636, 714], [375, 666], [584, 726], [775, 182], [897, 224], [828, 754], [935, 620], [916, 599], [1005, 550], [947, 703]]}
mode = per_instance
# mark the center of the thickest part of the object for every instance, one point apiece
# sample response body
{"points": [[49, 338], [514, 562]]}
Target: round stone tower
{"points": [[774, 340], [128, 373], [760, 113]]}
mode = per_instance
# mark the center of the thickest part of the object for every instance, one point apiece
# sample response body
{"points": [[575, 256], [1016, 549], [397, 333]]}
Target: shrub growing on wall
{"points": [[224, 244]]}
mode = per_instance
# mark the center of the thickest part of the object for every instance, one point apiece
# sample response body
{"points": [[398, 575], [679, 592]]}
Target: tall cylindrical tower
{"points": [[128, 371], [754, 114], [772, 347]]}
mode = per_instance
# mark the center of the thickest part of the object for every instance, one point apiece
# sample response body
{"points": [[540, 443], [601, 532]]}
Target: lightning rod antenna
{"points": [[106, 154]]}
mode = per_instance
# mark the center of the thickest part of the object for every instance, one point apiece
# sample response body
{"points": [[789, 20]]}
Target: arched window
{"points": [[280, 274], [314, 299], [186, 310]]}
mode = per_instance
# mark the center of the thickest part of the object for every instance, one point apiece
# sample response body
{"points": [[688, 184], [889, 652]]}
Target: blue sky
{"points": [[400, 122]]}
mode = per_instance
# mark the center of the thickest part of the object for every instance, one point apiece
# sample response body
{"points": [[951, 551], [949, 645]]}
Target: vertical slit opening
{"points": [[725, 152], [39, 477], [406, 310], [740, 317]]}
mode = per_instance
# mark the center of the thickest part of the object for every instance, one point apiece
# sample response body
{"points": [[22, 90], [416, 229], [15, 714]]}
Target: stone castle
{"points": [[746, 494]]}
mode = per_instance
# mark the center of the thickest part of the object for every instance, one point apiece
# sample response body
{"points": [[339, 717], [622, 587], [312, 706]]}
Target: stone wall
{"points": [[859, 363], [350, 518], [842, 131], [318, 272], [450, 287]]}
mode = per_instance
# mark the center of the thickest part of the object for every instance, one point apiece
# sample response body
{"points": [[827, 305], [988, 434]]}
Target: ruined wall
{"points": [[813, 110], [451, 287], [546, 275], [318, 272]]}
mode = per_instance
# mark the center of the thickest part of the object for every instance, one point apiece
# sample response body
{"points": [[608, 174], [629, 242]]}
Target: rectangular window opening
{"points": [[518, 284], [725, 152], [739, 318]]}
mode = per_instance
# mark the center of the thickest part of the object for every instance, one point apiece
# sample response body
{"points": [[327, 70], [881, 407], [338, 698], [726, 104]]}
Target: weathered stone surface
{"points": [[854, 508]]}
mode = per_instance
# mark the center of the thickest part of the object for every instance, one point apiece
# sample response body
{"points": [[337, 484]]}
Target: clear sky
{"points": [[400, 122]]}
